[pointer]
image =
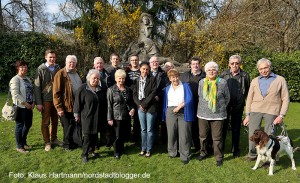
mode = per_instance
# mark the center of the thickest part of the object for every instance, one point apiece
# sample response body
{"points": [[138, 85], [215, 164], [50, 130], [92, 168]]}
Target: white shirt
{"points": [[175, 97]]}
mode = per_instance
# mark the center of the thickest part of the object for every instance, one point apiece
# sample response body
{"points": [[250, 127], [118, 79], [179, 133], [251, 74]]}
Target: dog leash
{"points": [[283, 130]]}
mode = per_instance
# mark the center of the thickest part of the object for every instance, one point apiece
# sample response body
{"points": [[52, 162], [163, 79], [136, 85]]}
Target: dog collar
{"points": [[265, 154]]}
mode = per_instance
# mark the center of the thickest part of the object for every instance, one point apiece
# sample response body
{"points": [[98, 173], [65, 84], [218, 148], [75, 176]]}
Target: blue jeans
{"points": [[23, 124], [147, 120]]}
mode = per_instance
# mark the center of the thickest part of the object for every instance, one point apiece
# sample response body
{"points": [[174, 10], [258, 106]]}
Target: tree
{"points": [[269, 24], [25, 15]]}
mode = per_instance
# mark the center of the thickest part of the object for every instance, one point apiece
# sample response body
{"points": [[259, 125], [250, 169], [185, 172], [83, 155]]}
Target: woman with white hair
{"points": [[90, 99], [214, 97], [119, 110]]}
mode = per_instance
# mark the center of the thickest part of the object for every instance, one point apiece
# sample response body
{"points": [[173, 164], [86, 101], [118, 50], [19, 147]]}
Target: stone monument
{"points": [[144, 47]]}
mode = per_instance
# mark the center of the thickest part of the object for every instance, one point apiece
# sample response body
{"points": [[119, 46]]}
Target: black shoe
{"points": [[117, 156], [200, 158], [219, 163], [236, 154], [185, 161], [266, 165], [84, 159]]}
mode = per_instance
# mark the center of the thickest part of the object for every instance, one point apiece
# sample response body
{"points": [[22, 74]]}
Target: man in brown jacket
{"points": [[44, 101], [66, 83], [268, 99]]}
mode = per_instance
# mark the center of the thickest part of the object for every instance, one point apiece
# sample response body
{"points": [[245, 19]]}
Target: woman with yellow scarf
{"points": [[214, 97]]}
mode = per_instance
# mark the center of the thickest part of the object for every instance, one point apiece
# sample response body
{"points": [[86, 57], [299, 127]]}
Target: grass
{"points": [[131, 167]]}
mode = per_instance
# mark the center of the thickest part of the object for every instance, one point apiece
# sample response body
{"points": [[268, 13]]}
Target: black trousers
{"points": [[89, 142], [120, 127], [67, 120], [234, 117]]}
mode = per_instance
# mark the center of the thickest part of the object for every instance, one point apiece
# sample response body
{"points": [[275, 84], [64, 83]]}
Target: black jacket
{"points": [[161, 83], [238, 86], [188, 77], [117, 107], [91, 106], [149, 103]]}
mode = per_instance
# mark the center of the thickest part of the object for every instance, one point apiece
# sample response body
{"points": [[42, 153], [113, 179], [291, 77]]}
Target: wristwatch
{"points": [[282, 116]]}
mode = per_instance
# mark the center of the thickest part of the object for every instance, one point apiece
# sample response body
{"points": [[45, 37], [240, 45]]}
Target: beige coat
{"points": [[18, 90]]}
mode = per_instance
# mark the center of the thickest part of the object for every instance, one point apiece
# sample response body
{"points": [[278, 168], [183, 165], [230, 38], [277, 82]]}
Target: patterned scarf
{"points": [[142, 84], [210, 93]]}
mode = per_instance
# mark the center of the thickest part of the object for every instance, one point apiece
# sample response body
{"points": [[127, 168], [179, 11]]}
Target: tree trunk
{"points": [[1, 18], [31, 16]]}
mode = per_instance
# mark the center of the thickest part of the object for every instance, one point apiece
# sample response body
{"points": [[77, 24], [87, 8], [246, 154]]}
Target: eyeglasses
{"points": [[234, 63]]}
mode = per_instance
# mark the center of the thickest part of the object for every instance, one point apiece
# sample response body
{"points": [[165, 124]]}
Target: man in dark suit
{"points": [[193, 77]]}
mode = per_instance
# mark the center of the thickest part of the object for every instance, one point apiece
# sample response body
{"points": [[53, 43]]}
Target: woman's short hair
{"points": [[20, 63], [91, 72], [71, 57], [211, 64], [120, 73], [263, 60], [173, 72]]}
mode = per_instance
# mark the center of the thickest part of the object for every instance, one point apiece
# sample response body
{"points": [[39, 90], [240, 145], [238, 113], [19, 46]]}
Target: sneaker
{"points": [[148, 154], [142, 153], [22, 150], [48, 147], [27, 147], [57, 142]]}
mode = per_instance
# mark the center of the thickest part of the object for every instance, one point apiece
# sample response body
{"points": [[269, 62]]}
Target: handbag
{"points": [[77, 133], [9, 112]]}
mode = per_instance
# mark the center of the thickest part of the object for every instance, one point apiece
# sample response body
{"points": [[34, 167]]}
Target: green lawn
{"points": [[52, 166]]}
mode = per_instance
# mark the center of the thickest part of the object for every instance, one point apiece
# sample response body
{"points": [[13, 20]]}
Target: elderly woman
{"points": [[178, 112], [22, 96], [90, 99], [120, 109], [214, 97], [144, 91]]}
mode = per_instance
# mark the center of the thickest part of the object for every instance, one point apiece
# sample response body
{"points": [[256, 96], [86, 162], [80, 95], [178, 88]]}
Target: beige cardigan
{"points": [[276, 101], [18, 90]]}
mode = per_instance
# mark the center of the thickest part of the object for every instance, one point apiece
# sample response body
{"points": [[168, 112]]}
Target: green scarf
{"points": [[210, 93]]}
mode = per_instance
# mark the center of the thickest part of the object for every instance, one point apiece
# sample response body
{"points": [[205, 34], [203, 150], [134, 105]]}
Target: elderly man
{"points": [[193, 77], [66, 83], [105, 82], [168, 66], [161, 82], [268, 99], [238, 82], [105, 78]]}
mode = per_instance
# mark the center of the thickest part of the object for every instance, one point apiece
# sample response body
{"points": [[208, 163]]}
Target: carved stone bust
{"points": [[144, 47]]}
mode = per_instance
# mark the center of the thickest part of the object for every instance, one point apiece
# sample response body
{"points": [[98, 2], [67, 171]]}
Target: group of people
{"points": [[194, 108]]}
